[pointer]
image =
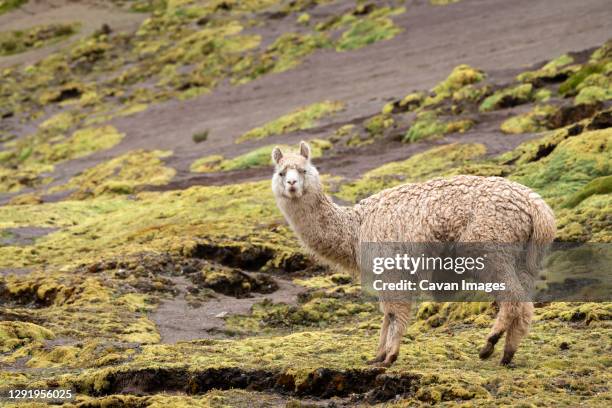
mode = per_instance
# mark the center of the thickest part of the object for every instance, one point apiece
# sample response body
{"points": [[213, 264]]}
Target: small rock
{"points": [[564, 345]]}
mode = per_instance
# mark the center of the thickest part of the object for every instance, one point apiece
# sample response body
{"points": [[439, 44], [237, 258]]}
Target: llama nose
{"points": [[291, 182]]}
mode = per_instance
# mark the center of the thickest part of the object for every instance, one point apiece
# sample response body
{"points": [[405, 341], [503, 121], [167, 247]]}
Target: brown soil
{"points": [[176, 320]]}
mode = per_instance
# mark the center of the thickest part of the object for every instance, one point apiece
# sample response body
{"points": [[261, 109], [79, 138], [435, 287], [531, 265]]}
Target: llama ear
{"points": [[305, 150], [277, 155]]}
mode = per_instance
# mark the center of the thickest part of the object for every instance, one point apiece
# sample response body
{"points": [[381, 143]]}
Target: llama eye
{"points": [[282, 174], [303, 171]]}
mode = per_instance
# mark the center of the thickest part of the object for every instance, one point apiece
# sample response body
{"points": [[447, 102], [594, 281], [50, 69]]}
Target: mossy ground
{"points": [[14, 42], [8, 5], [77, 304], [300, 119]]}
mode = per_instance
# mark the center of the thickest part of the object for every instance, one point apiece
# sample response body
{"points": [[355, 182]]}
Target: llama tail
{"points": [[543, 232]]}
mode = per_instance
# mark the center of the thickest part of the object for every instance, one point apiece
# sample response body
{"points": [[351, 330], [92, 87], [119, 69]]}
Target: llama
{"points": [[460, 209]]}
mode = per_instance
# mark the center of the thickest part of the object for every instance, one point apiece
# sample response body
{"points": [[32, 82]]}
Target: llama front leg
{"points": [[381, 351], [398, 321]]}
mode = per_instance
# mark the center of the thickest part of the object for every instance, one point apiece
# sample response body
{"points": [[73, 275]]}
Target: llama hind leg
{"points": [[381, 352], [517, 329], [502, 322]]}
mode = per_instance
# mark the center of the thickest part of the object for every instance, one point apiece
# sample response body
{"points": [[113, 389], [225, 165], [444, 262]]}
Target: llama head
{"points": [[294, 174]]}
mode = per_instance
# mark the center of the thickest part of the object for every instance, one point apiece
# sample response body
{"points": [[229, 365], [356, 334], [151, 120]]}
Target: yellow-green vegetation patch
{"points": [[550, 70], [535, 121], [17, 334], [557, 364], [300, 119], [287, 51], [600, 185], [593, 94], [121, 175], [571, 165], [443, 2], [15, 42], [566, 176], [574, 83], [374, 27], [8, 5], [428, 125], [508, 97], [461, 76], [419, 167], [376, 125], [174, 222], [76, 306], [82, 143], [255, 158], [13, 180]]}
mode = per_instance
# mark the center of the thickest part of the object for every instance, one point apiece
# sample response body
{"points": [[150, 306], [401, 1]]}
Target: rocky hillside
{"points": [[143, 261]]}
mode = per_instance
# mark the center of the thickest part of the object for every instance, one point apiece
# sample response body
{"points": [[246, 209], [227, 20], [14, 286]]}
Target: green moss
{"points": [[571, 165], [122, 175], [593, 94], [376, 125], [570, 85], [287, 51], [419, 167], [428, 125], [412, 100], [508, 97], [443, 2], [255, 158], [470, 93], [535, 121], [460, 77], [34, 155], [550, 70], [8, 5], [18, 41], [300, 119], [588, 221], [81, 143], [13, 180], [602, 53], [599, 185], [364, 32], [17, 334], [303, 19], [113, 226], [543, 95]]}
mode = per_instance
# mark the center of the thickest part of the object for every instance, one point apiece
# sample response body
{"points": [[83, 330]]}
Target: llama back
{"points": [[461, 208]]}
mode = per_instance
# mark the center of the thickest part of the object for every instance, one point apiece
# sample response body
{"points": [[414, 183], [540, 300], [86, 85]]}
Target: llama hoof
{"points": [[383, 364], [373, 361], [507, 359], [486, 351]]}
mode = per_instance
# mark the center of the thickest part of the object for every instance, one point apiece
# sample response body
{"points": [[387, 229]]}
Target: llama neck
{"points": [[328, 230]]}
